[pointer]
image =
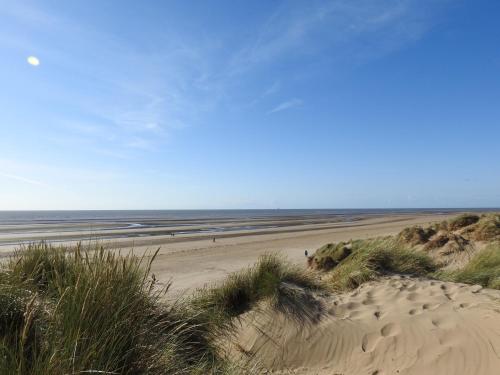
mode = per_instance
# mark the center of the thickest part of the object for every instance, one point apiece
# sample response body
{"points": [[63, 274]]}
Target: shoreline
{"points": [[191, 260], [164, 232]]}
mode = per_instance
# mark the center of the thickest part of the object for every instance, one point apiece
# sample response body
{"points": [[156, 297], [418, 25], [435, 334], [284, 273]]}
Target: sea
{"points": [[24, 227], [79, 216]]}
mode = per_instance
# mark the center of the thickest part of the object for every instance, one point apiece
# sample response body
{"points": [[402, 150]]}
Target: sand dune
{"points": [[396, 325]]}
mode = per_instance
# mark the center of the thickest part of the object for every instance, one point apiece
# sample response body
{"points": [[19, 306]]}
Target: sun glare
{"points": [[32, 60]]}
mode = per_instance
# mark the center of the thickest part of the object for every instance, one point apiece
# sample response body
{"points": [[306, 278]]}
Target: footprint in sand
{"points": [[430, 306], [390, 330], [413, 296], [414, 312], [355, 314], [465, 305], [412, 287], [352, 305], [368, 301], [443, 323], [370, 341], [396, 284], [451, 296], [475, 288]]}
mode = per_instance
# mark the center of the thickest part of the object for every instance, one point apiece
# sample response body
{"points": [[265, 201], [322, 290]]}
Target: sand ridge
{"points": [[397, 325]]}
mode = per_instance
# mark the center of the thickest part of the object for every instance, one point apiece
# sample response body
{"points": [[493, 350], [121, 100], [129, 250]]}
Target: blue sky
{"points": [[238, 104]]}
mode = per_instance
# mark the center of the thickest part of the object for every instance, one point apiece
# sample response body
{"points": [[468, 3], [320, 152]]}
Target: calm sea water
{"points": [[27, 217]]}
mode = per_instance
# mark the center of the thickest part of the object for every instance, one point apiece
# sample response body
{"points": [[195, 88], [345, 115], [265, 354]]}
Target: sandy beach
{"points": [[191, 258], [196, 262]]}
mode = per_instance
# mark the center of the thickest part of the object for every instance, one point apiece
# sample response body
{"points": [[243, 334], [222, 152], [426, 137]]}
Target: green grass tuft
{"points": [[272, 279], [372, 258], [483, 269]]}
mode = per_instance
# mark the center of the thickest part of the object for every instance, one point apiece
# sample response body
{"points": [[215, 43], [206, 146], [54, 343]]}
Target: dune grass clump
{"points": [[20, 329], [462, 221], [456, 244], [93, 311], [451, 242], [42, 268], [483, 269], [373, 258], [438, 240], [415, 235], [440, 227], [328, 256], [272, 279], [488, 228]]}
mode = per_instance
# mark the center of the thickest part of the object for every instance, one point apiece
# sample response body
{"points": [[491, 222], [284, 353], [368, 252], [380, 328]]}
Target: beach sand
{"points": [[194, 263], [397, 325]]}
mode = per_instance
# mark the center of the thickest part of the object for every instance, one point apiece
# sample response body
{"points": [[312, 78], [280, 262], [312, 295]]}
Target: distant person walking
{"points": [[214, 239], [306, 253]]}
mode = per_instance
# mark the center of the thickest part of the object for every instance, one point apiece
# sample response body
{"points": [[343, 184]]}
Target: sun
{"points": [[32, 60]]}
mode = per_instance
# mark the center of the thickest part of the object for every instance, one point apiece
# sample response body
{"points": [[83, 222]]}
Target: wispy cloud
{"points": [[286, 105], [274, 88], [302, 29], [23, 179]]}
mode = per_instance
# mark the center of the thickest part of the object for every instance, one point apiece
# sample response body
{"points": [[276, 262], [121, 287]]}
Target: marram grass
{"points": [[371, 258], [93, 311], [482, 269], [89, 310]]}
